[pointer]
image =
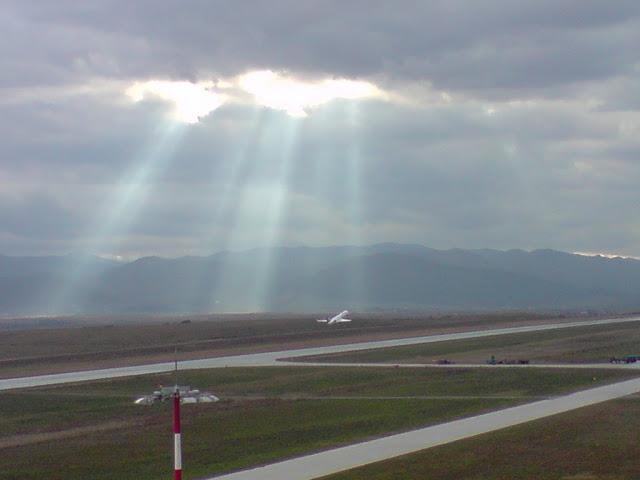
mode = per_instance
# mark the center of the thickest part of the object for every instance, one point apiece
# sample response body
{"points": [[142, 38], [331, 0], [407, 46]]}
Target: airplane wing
{"points": [[337, 319]]}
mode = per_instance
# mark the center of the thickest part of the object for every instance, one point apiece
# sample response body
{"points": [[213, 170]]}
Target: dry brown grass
{"points": [[116, 341]]}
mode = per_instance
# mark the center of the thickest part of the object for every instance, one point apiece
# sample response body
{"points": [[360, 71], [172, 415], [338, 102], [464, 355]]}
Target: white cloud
{"points": [[191, 101], [295, 97]]}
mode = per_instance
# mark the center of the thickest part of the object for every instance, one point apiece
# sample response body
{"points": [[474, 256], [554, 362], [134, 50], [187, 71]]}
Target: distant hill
{"points": [[382, 276]]}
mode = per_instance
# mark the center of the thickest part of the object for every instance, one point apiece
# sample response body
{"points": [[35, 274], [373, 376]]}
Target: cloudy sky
{"points": [[169, 128]]}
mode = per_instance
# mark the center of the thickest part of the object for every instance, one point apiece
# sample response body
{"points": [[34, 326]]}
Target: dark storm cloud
{"points": [[471, 45]]}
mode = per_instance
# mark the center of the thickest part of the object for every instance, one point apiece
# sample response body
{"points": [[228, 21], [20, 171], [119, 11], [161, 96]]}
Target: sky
{"points": [[187, 128]]}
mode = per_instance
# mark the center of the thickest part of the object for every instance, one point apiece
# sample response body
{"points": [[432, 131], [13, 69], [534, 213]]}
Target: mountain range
{"points": [[309, 279]]}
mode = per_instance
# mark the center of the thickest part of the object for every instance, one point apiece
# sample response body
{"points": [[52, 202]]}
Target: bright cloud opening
{"points": [[294, 97], [192, 101]]}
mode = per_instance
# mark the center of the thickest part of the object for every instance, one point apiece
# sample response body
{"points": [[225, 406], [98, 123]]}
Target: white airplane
{"points": [[337, 319]]}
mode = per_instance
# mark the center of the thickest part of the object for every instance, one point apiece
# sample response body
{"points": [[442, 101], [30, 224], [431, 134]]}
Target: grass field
{"points": [[93, 430], [591, 344]]}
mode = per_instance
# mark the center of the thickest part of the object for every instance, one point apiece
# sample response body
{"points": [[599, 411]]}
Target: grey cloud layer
{"points": [[509, 125], [490, 44]]}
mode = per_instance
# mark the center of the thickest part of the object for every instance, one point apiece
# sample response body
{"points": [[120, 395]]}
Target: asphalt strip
{"points": [[271, 358], [344, 458]]}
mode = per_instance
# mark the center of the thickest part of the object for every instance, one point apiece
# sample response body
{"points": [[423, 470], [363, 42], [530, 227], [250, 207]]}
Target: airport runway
{"points": [[332, 461], [352, 456], [273, 358]]}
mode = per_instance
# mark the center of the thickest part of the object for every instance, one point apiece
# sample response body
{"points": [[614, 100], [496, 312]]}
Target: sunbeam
{"points": [[255, 198], [255, 203], [136, 186], [354, 202], [241, 165], [215, 285], [109, 228], [277, 208], [263, 201]]}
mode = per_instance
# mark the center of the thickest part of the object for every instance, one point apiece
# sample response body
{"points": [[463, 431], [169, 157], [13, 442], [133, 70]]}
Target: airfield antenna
{"points": [[177, 447], [177, 441]]}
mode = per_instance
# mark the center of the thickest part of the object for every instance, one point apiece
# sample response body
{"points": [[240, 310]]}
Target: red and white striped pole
{"points": [[176, 436]]}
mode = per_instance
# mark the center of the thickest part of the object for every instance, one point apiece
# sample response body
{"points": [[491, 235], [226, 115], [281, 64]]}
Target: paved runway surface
{"points": [[271, 358], [336, 460]]}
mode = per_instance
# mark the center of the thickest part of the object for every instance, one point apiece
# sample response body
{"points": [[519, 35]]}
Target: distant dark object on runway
{"points": [[493, 361], [625, 359]]}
